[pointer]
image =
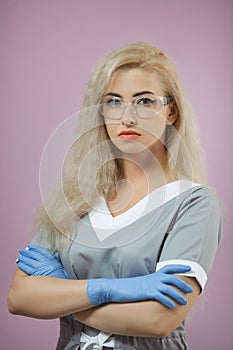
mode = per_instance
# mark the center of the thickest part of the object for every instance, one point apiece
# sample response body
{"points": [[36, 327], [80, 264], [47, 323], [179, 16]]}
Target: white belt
{"points": [[98, 341]]}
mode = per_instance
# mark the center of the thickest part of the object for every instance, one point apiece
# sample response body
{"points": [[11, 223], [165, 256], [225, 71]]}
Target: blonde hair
{"points": [[104, 170]]}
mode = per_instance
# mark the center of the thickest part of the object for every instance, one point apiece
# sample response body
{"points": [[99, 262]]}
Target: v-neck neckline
{"points": [[105, 224], [140, 203]]}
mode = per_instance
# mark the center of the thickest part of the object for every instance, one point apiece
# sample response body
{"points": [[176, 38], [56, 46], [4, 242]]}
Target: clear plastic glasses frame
{"points": [[143, 107]]}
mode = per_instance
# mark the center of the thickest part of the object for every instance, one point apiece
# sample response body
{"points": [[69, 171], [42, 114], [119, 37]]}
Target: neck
{"points": [[143, 173], [146, 167]]}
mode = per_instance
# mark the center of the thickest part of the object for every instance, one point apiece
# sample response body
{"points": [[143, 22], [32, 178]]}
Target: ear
{"points": [[172, 114]]}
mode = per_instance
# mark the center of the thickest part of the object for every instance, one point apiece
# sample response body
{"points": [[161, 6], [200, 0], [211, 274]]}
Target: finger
{"points": [[36, 254], [174, 294], [27, 261], [178, 282], [41, 270], [25, 268], [175, 268], [165, 301], [32, 255]]}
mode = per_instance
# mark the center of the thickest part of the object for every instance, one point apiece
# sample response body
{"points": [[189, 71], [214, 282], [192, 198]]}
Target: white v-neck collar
{"points": [[104, 224]]}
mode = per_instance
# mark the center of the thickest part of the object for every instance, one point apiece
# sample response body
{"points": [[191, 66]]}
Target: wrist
{"points": [[99, 291]]}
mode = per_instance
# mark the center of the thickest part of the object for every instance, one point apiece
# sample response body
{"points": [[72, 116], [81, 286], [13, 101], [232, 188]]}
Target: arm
{"points": [[49, 281], [142, 319], [46, 297], [196, 232]]}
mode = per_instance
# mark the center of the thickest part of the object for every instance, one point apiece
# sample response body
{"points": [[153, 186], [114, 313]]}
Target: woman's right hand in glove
{"points": [[155, 286]]}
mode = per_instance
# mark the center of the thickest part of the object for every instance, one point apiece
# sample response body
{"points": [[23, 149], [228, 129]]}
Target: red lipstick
{"points": [[129, 134]]}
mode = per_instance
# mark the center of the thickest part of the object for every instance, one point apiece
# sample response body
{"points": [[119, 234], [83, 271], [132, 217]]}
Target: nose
{"points": [[128, 115]]}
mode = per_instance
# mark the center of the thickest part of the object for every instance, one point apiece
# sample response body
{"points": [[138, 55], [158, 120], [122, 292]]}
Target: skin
{"points": [[27, 294], [155, 320], [127, 83], [145, 156]]}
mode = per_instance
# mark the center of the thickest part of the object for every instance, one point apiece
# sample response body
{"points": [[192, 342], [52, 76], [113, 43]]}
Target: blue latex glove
{"points": [[155, 286], [38, 261]]}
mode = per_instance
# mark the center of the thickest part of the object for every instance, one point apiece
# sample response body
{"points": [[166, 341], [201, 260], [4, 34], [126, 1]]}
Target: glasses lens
{"points": [[147, 105], [144, 112], [111, 111]]}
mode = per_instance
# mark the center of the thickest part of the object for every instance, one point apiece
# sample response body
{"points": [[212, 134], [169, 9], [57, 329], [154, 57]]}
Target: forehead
{"points": [[128, 82]]}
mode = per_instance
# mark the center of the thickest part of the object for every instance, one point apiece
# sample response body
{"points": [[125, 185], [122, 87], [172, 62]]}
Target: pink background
{"points": [[48, 49]]}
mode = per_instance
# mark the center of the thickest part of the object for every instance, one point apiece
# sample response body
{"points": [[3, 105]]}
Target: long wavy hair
{"points": [[92, 169]]}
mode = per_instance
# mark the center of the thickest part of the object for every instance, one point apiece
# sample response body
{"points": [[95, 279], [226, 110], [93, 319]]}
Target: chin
{"points": [[129, 146]]}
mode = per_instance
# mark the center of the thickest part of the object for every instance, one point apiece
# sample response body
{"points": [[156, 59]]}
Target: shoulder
{"points": [[199, 208], [41, 239], [202, 195]]}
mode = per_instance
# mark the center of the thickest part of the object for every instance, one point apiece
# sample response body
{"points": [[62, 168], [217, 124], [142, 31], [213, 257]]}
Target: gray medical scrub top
{"points": [[177, 223]]}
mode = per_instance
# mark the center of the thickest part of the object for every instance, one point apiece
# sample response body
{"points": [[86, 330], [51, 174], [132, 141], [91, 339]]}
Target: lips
{"points": [[129, 134]]}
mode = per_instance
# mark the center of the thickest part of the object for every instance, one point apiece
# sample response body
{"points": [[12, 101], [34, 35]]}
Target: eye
{"points": [[146, 101], [113, 102]]}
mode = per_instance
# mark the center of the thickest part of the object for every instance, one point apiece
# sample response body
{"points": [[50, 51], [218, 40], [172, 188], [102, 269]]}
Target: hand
{"points": [[155, 286], [38, 261]]}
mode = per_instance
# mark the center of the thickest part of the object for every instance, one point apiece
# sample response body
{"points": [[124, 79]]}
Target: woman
{"points": [[134, 253]]}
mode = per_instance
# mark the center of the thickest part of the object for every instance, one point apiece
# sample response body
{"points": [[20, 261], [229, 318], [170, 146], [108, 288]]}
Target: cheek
{"points": [[155, 128], [112, 129]]}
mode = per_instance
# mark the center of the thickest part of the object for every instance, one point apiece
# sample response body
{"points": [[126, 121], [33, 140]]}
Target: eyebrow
{"points": [[134, 95]]}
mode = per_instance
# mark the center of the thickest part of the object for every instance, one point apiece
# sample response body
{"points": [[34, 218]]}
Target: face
{"points": [[130, 133]]}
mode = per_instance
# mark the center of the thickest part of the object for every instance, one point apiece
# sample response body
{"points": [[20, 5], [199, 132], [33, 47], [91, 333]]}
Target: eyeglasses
{"points": [[143, 106]]}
